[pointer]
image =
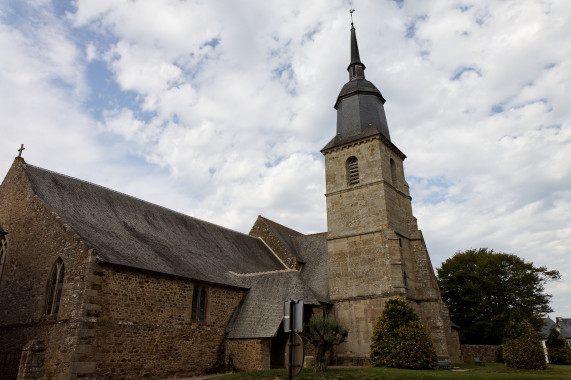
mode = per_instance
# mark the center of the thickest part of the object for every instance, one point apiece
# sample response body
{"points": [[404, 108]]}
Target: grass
{"points": [[465, 371]]}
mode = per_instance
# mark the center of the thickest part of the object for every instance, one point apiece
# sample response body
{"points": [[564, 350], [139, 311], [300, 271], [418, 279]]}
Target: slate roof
{"points": [[314, 249], [547, 325], [127, 231], [284, 235], [261, 310], [358, 86], [564, 326], [369, 131]]}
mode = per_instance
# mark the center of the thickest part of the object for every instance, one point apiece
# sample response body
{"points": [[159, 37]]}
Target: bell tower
{"points": [[375, 249]]}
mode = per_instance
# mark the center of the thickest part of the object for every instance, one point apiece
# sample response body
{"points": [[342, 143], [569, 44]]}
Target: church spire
{"points": [[356, 68], [360, 111]]}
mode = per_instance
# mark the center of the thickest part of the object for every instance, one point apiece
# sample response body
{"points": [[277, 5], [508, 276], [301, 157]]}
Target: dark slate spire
{"points": [[360, 111], [356, 67]]}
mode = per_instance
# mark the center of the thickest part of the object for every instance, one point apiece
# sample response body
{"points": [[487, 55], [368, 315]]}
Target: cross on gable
{"points": [[20, 150]]}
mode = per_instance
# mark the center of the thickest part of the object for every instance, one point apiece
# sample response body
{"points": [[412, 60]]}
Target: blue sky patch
{"points": [[465, 8], [497, 108], [463, 70], [106, 94], [436, 189], [309, 35], [212, 43], [411, 28]]}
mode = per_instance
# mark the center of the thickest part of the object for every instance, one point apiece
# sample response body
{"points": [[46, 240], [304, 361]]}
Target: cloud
{"points": [[220, 109]]}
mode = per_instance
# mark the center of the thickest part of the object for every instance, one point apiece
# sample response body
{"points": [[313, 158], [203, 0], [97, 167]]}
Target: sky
{"points": [[219, 109]]}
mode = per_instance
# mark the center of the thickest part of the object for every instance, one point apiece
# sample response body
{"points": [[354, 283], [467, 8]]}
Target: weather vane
{"points": [[351, 12], [20, 150]]}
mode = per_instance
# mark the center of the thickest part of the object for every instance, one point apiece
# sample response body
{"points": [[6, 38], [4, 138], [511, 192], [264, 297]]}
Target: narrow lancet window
{"points": [[393, 172], [202, 314], [198, 312], [55, 286], [3, 248], [352, 170], [194, 315]]}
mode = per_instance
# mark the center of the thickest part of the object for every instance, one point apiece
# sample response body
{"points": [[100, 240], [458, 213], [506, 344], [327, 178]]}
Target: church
{"points": [[96, 284]]}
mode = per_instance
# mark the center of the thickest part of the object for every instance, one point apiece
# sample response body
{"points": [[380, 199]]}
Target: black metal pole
{"points": [[291, 337]]}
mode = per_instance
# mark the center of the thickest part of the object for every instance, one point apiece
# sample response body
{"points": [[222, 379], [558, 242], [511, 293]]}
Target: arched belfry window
{"points": [[198, 304], [352, 170], [393, 172], [55, 285]]}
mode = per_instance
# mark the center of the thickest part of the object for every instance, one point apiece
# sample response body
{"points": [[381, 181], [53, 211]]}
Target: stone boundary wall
{"points": [[486, 353]]}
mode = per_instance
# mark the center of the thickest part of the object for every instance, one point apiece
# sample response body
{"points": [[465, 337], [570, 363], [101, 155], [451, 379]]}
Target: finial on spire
{"points": [[20, 150], [356, 67]]}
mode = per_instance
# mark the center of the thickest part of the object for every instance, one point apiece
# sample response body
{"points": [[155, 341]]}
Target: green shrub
{"points": [[500, 354], [523, 349], [400, 340], [557, 348], [323, 333]]}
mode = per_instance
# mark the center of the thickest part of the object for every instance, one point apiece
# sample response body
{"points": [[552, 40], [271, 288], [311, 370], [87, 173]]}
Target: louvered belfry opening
{"points": [[353, 170]]}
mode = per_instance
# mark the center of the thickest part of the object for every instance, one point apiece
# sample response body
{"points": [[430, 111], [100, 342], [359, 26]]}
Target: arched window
{"points": [[393, 172], [55, 285], [198, 304], [352, 170], [3, 248], [202, 311]]}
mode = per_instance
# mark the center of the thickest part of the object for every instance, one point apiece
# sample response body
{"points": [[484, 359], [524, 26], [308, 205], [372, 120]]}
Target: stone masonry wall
{"points": [[359, 317], [486, 353], [261, 230], [112, 322], [375, 250], [36, 239], [248, 354], [144, 328]]}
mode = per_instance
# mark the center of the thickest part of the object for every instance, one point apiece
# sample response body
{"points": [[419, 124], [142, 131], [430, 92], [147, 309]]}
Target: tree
{"points": [[522, 349], [558, 350], [324, 333], [400, 340], [483, 289]]}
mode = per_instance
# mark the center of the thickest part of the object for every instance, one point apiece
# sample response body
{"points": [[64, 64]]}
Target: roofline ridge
{"points": [[262, 273], [362, 140], [138, 199], [306, 235], [281, 225], [271, 250]]}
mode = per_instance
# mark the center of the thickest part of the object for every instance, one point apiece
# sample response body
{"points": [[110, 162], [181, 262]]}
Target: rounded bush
{"points": [[400, 340], [523, 349], [558, 350]]}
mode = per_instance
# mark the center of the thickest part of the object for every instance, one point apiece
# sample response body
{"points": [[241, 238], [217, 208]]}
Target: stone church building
{"points": [[96, 284]]}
